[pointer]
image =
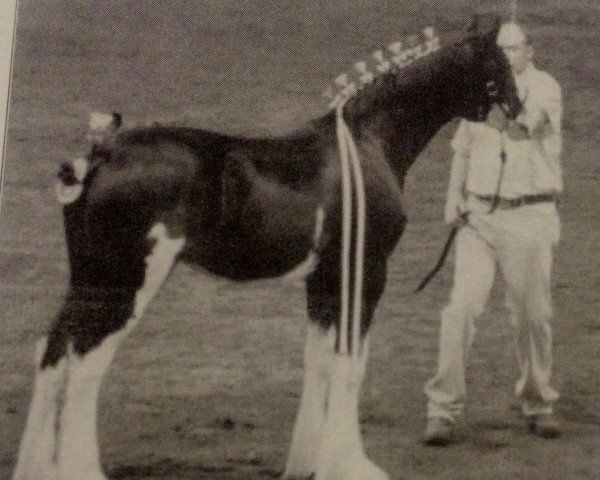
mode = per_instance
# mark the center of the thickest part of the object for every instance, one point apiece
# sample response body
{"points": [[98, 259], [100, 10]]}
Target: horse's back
{"points": [[239, 218], [248, 208]]}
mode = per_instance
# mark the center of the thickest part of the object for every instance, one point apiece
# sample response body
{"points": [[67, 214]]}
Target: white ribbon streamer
{"points": [[351, 170]]}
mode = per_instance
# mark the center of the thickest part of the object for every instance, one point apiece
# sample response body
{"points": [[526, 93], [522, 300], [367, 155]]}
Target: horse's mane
{"points": [[399, 84], [386, 89]]}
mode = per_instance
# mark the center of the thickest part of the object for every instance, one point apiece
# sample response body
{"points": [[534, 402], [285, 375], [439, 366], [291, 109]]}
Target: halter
{"points": [[71, 175], [493, 96]]}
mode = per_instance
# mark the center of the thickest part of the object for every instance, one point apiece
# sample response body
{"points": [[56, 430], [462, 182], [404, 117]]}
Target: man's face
{"points": [[519, 55]]}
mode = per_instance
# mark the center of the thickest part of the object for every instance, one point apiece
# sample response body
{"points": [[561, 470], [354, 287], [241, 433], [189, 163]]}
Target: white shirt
{"points": [[532, 165]]}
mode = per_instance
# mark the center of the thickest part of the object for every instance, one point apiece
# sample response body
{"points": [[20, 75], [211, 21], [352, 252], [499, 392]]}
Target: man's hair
{"points": [[511, 32]]}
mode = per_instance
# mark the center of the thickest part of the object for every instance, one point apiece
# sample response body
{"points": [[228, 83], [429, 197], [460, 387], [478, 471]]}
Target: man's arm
{"points": [[542, 114], [455, 197]]}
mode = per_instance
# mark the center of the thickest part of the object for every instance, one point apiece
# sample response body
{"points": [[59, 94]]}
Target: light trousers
{"points": [[520, 243]]}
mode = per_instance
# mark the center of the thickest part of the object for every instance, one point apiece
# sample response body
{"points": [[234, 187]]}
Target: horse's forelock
{"points": [[484, 27]]}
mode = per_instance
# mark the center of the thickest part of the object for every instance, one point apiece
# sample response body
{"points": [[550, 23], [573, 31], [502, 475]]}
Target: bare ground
{"points": [[208, 385]]}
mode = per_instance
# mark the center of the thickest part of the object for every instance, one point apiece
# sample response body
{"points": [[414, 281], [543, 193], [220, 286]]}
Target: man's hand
{"points": [[461, 219], [497, 118], [455, 214]]}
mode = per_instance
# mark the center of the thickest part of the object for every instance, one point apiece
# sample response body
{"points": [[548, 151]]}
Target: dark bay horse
{"points": [[244, 208]]}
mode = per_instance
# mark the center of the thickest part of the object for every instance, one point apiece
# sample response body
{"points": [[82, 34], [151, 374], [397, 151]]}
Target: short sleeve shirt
{"points": [[532, 165]]}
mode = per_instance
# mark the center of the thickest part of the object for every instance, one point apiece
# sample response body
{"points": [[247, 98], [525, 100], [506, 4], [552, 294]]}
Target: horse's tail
{"points": [[72, 174]]}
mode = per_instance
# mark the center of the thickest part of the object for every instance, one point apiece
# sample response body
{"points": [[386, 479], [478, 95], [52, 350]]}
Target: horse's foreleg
{"points": [[311, 414], [78, 455], [341, 454], [37, 452]]}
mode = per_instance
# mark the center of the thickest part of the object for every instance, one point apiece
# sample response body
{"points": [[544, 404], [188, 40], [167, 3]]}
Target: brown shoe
{"points": [[544, 425], [439, 432]]}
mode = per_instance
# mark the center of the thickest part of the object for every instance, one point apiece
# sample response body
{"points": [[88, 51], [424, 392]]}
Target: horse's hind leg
{"points": [[78, 455], [37, 450], [94, 320]]}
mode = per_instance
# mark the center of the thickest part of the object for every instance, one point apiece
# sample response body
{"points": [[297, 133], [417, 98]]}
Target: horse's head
{"points": [[489, 78]]}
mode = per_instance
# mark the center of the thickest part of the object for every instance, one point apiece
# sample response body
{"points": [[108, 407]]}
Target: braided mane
{"points": [[382, 67]]}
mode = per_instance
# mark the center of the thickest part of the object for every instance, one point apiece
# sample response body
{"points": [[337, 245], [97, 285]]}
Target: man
{"points": [[503, 184]]}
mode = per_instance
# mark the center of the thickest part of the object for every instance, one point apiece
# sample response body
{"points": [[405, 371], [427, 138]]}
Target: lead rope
{"points": [[496, 198], [513, 11], [351, 169], [454, 230]]}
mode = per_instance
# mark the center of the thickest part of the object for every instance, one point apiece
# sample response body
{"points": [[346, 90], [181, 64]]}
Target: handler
{"points": [[504, 181]]}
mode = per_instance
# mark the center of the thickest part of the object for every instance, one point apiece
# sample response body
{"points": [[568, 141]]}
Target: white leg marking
{"points": [[37, 451], [69, 193], [310, 263], [158, 265], [306, 439], [341, 456], [319, 226], [78, 455]]}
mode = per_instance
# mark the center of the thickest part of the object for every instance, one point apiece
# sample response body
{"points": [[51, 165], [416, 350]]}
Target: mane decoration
{"points": [[397, 55]]}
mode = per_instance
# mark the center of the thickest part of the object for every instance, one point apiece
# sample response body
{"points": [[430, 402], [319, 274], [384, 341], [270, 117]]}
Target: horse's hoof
{"points": [[37, 472], [365, 469], [89, 475]]}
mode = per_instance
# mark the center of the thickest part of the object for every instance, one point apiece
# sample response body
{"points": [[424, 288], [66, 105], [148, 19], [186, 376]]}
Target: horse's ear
{"points": [[495, 28], [117, 119], [484, 24]]}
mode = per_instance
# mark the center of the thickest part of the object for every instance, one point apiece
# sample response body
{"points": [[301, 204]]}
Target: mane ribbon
{"points": [[351, 169], [344, 88]]}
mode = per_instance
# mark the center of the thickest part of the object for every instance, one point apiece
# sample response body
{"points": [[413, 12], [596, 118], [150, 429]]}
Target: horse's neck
{"points": [[411, 107]]}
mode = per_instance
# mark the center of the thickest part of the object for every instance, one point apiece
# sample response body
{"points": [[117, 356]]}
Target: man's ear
{"points": [[529, 51]]}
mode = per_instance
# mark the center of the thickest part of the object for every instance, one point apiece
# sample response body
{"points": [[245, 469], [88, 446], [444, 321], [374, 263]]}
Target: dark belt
{"points": [[508, 203]]}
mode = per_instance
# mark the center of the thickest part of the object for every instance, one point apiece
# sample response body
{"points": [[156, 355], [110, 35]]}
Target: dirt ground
{"points": [[208, 385]]}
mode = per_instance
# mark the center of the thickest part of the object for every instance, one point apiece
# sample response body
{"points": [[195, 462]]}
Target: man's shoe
{"points": [[544, 425], [439, 432]]}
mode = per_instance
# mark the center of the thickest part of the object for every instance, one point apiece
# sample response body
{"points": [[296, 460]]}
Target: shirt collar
{"points": [[523, 80]]}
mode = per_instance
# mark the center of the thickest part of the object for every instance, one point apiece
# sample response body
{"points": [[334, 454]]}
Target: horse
{"points": [[245, 208]]}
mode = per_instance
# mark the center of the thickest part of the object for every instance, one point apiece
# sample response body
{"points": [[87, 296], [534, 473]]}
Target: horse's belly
{"points": [[264, 245]]}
